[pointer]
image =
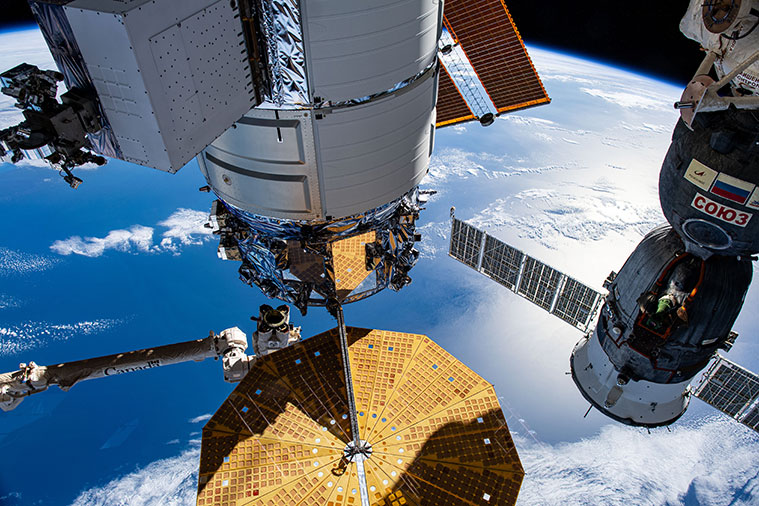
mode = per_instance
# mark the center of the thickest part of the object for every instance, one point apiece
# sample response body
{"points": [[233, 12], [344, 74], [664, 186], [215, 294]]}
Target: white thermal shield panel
{"points": [[171, 76], [306, 164], [356, 48]]}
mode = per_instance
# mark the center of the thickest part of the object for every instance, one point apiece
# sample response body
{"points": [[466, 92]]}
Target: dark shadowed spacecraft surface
{"points": [[708, 183]]}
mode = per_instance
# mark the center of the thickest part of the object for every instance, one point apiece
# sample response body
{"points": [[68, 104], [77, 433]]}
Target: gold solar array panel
{"points": [[494, 49], [349, 262], [436, 428]]}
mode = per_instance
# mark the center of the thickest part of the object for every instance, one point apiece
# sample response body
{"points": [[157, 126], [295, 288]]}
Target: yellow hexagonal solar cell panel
{"points": [[349, 262], [437, 432]]}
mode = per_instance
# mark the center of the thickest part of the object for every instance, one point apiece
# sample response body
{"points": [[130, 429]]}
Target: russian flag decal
{"points": [[732, 188]]}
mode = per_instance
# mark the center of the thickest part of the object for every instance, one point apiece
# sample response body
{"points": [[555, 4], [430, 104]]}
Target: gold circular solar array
{"points": [[437, 432]]}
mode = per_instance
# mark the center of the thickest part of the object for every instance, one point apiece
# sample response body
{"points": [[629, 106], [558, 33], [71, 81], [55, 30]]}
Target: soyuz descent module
{"points": [[313, 122], [676, 298]]}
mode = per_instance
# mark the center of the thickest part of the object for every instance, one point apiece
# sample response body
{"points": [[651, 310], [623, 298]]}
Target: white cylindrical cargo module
{"points": [[325, 171], [319, 164], [351, 120], [633, 402]]}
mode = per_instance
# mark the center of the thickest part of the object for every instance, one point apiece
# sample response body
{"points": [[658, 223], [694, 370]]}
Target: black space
{"points": [[643, 36]]}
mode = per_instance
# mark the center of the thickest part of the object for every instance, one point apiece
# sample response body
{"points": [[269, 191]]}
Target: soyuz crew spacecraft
{"points": [[313, 122], [676, 298]]}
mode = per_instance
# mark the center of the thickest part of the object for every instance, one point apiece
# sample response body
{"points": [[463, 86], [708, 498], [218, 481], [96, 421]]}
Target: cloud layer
{"points": [[184, 227], [710, 462], [137, 237], [201, 418], [17, 262], [27, 335], [167, 482], [6, 301], [565, 214]]}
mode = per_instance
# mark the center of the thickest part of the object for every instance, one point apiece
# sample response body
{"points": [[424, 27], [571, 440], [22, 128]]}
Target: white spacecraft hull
{"points": [[641, 402]]}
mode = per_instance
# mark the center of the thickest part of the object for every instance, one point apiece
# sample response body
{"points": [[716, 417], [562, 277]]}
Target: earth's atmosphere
{"points": [[124, 263]]}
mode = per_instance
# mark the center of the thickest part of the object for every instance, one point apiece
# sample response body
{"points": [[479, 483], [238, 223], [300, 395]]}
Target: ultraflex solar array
{"points": [[557, 293]]}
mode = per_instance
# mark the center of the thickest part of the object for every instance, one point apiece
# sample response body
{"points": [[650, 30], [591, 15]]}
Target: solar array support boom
{"points": [[358, 450]]}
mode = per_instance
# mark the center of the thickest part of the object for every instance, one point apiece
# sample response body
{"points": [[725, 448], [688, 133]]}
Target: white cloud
{"points": [[137, 236], [28, 335], [555, 215], [451, 163], [9, 496], [6, 301], [17, 262], [201, 418], [167, 482], [711, 462], [185, 227], [630, 100], [434, 239]]}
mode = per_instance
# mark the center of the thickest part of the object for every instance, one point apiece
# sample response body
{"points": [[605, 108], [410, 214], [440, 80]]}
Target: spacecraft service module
{"points": [[311, 129]]}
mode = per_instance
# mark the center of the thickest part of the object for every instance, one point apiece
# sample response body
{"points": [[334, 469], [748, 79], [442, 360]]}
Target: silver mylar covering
{"points": [[287, 62], [275, 253], [60, 39], [333, 157]]}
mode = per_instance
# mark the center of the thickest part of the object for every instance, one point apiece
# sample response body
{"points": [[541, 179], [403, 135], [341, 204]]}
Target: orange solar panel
{"points": [[437, 432], [451, 106], [492, 44]]}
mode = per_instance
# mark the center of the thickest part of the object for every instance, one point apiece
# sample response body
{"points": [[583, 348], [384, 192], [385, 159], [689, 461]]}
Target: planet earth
{"points": [[124, 262]]}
